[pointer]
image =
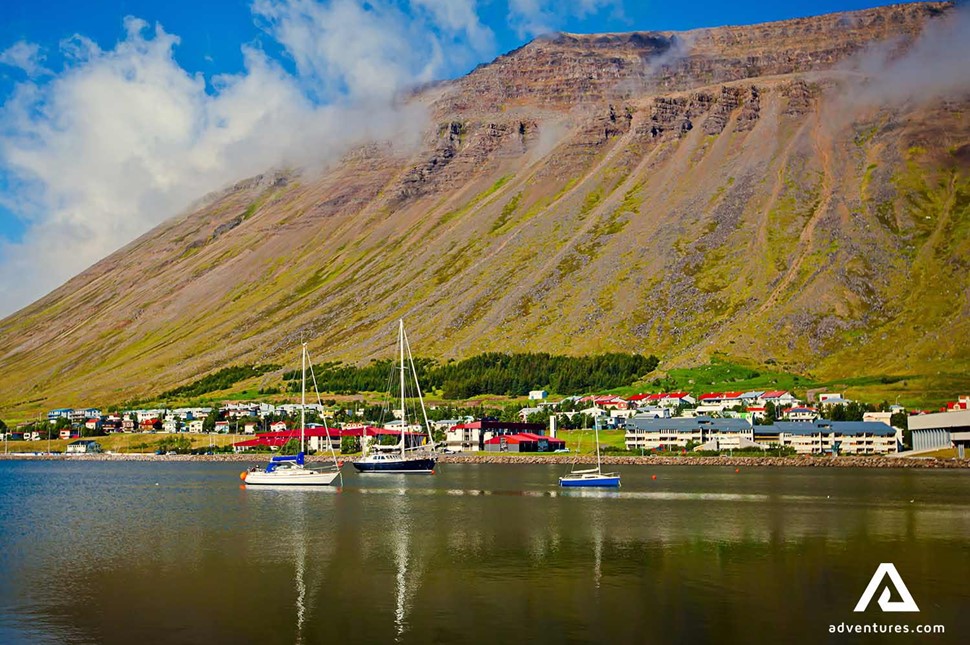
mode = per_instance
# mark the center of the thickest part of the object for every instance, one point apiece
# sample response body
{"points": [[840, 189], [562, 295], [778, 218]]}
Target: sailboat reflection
{"points": [[300, 588], [597, 524], [401, 597], [597, 556], [297, 501], [407, 573]]}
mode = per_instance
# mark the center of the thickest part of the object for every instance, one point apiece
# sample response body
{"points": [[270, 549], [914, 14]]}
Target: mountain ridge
{"points": [[570, 201]]}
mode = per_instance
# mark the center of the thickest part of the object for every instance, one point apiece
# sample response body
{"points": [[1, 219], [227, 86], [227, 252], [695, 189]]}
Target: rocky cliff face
{"points": [[678, 194]]}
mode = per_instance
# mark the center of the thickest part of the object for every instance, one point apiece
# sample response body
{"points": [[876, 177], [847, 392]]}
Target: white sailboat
{"points": [[408, 460], [592, 476], [291, 470]]}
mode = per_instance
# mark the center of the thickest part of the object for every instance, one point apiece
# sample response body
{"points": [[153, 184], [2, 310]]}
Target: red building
{"points": [[524, 442]]}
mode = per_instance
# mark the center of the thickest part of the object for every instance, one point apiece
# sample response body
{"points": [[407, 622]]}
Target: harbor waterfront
{"points": [[174, 549], [545, 458]]}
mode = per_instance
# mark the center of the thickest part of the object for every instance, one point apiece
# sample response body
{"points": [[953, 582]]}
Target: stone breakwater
{"points": [[736, 462], [484, 458]]}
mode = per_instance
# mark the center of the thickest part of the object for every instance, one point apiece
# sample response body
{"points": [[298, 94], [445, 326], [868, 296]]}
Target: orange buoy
{"points": [[737, 470], [340, 464], [242, 475], [432, 472], [653, 477]]}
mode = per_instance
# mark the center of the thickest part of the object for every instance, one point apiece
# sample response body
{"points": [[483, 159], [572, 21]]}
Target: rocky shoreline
{"points": [[532, 459]]}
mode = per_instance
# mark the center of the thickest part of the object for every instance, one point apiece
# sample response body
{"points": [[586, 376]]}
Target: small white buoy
{"points": [[156, 483]]}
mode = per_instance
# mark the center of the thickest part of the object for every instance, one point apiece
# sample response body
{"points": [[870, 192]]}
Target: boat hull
{"points": [[593, 482], [291, 477], [396, 466]]}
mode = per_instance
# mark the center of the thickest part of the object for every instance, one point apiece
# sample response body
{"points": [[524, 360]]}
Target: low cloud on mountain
{"points": [[99, 152]]}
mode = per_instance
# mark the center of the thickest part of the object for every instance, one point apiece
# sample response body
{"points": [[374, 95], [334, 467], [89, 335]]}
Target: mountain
{"points": [[766, 192]]}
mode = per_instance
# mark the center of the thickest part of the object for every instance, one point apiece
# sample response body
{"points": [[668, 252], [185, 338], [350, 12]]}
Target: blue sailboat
{"points": [[591, 477]]}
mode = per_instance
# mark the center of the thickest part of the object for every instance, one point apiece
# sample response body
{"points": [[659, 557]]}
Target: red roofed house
{"points": [[150, 425], [780, 398], [674, 399], [611, 403], [524, 442], [474, 435], [731, 399], [963, 403]]}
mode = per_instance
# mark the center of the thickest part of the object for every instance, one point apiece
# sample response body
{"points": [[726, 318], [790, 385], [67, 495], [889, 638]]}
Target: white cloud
{"points": [[935, 66], [124, 138], [371, 49], [460, 18], [24, 56], [537, 17]]}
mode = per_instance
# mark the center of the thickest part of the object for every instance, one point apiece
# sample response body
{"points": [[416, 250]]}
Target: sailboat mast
{"points": [[417, 387], [303, 398], [404, 415]]}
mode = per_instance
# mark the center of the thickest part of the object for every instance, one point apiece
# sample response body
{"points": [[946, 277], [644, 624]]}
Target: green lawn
{"points": [[583, 441], [136, 442]]}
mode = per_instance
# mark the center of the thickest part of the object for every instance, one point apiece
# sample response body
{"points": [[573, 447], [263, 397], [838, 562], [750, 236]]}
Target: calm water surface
{"points": [[96, 552]]}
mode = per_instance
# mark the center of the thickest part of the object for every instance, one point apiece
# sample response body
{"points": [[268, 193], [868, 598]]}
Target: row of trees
{"points": [[490, 373], [852, 411]]}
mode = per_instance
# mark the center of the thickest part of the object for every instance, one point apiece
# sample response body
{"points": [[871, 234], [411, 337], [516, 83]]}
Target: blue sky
{"points": [[109, 125], [212, 32]]}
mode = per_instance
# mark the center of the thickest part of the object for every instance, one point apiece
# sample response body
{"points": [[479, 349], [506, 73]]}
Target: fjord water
{"points": [[180, 552]]}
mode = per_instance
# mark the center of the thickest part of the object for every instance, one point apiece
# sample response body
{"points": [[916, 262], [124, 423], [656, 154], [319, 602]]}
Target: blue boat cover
{"points": [[297, 458]]}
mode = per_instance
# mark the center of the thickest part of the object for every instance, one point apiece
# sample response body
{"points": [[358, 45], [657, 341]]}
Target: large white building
{"points": [[824, 436], [650, 433], [941, 430]]}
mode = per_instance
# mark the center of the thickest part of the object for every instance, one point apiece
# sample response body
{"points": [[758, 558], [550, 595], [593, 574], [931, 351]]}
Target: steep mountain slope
{"points": [[719, 190]]}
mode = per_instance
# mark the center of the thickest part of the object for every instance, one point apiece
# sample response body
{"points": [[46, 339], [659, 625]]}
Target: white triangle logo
{"points": [[887, 569]]}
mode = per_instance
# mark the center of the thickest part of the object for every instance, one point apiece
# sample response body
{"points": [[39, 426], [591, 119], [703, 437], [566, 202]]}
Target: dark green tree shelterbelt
{"points": [[492, 373]]}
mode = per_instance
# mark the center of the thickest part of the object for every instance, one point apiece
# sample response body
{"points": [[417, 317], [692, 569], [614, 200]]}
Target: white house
{"points": [[148, 415], [593, 412], [752, 399], [79, 415], [195, 425], [801, 414], [83, 446], [653, 412], [833, 398], [538, 395]]}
